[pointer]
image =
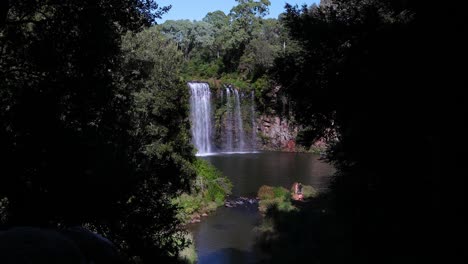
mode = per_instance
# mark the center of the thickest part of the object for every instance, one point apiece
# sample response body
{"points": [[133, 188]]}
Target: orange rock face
{"points": [[291, 146]]}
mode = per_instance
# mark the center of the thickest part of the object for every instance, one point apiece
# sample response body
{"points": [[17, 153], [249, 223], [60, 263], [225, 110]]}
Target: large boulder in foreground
{"points": [[72, 245]]}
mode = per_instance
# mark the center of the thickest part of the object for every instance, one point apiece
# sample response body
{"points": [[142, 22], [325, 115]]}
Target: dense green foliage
{"points": [[189, 254], [382, 76], [279, 198], [208, 191], [93, 132], [274, 197], [92, 129], [236, 48], [211, 182]]}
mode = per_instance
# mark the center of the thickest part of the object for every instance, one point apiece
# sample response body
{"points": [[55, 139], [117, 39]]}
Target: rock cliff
{"points": [[276, 133]]}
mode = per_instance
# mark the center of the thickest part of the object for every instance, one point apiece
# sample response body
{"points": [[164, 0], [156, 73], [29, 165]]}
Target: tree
{"points": [[190, 36], [245, 15], [363, 70], [205, 34], [181, 31], [245, 22], [262, 50], [218, 19], [85, 141], [220, 23], [160, 130]]}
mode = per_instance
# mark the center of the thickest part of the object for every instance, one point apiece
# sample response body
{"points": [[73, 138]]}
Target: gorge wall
{"points": [[275, 126], [276, 133]]}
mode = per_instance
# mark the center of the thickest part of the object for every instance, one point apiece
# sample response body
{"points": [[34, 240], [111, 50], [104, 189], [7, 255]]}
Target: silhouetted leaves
{"points": [[92, 130], [378, 73]]}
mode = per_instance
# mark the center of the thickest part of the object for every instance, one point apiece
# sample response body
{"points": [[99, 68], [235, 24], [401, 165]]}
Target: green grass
{"points": [[280, 198], [209, 191], [281, 193], [265, 192], [274, 197]]}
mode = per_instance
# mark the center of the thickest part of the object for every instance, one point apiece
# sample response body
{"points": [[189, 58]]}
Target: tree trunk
{"points": [[4, 7]]}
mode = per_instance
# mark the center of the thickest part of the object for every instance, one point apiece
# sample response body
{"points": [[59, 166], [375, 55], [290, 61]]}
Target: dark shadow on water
{"points": [[312, 234], [220, 226], [227, 236], [228, 255]]}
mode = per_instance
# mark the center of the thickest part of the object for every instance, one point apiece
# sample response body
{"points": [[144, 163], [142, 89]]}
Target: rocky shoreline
{"points": [[231, 202], [240, 201]]}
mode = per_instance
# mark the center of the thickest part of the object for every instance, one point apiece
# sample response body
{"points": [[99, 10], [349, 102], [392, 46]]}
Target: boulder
{"points": [[43, 245]]}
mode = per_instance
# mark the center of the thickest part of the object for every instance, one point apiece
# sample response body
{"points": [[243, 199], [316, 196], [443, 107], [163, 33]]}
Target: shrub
{"points": [[265, 192], [215, 192], [209, 191], [206, 170], [309, 191], [188, 205], [189, 254], [265, 205], [282, 193], [261, 86], [277, 197], [213, 184]]}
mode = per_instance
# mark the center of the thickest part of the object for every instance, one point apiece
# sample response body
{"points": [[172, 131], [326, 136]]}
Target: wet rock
{"points": [[195, 220], [279, 131], [240, 201]]}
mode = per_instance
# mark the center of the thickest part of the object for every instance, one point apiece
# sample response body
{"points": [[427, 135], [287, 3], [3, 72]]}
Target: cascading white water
{"points": [[201, 117], [228, 135], [239, 126], [228, 126]]}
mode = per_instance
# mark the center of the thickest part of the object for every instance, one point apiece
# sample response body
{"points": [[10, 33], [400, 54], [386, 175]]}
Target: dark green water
{"points": [[227, 236], [250, 171]]}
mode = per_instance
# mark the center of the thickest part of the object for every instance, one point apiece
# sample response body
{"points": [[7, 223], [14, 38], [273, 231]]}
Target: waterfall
{"points": [[228, 134], [239, 126], [228, 125], [201, 117]]}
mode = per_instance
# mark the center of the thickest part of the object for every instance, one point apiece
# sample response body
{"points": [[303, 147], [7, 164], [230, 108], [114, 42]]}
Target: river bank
{"points": [[208, 192], [230, 233]]}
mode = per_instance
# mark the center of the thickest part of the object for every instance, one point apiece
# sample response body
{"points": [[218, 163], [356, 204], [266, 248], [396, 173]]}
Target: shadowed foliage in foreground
{"points": [[384, 76], [92, 131]]}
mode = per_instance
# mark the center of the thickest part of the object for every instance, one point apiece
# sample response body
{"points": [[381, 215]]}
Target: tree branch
{"points": [[4, 8]]}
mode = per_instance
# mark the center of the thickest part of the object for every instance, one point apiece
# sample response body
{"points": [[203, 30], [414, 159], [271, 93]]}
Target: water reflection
{"points": [[250, 171], [227, 236]]}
